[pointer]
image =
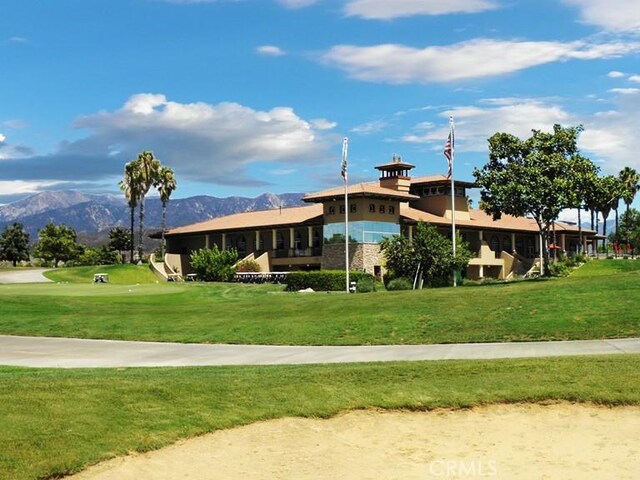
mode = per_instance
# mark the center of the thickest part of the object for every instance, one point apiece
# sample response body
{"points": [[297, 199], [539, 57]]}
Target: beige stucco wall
{"points": [[441, 205]]}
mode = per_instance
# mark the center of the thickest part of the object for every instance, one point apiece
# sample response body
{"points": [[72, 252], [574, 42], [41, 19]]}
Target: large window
{"points": [[360, 232]]}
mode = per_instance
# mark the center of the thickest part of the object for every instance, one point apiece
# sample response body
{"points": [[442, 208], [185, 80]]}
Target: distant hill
{"points": [[94, 215]]}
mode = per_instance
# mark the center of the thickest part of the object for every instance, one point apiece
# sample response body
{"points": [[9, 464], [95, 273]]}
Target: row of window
{"points": [[360, 232], [353, 208], [431, 191], [300, 241]]}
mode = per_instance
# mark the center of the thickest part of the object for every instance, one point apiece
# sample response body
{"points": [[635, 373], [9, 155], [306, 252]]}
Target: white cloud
{"points": [[475, 124], [270, 50], [625, 91], [15, 187], [323, 124], [8, 150], [476, 58], [634, 78], [610, 15], [369, 127], [385, 9], [199, 140], [16, 39], [611, 136], [615, 74], [297, 3]]}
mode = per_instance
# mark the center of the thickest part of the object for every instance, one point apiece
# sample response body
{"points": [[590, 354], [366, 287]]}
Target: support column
{"points": [[410, 232], [291, 238], [481, 271], [563, 242], [224, 241], [273, 239], [513, 243], [207, 241], [310, 235], [257, 240]]}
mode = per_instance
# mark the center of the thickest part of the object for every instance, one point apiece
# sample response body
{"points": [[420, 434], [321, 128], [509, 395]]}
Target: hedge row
{"points": [[323, 280]]}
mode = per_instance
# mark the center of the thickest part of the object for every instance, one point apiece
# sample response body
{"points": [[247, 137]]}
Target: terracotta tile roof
{"points": [[359, 190], [479, 219], [260, 219]]}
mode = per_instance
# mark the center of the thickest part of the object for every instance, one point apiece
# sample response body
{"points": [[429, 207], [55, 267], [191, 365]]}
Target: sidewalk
{"points": [[78, 353]]}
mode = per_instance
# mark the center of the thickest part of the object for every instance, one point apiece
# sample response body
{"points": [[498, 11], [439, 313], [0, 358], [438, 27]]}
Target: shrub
{"points": [[323, 280], [400, 283], [97, 256], [214, 265], [366, 285], [248, 266], [560, 269]]}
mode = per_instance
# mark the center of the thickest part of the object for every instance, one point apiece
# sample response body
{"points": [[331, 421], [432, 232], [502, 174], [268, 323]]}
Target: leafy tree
{"points": [[129, 186], [120, 240], [584, 174], [607, 192], [166, 184], [57, 243], [630, 180], [214, 265], [14, 244], [428, 252], [530, 177], [103, 255]]}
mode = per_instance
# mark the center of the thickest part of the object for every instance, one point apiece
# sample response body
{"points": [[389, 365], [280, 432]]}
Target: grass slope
{"points": [[598, 301], [126, 274], [56, 422]]}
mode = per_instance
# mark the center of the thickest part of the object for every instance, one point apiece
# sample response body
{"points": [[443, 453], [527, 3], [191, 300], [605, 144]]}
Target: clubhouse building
{"points": [[312, 237]]}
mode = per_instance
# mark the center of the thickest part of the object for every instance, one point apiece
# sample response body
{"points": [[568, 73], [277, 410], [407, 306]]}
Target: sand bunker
{"points": [[497, 442]]}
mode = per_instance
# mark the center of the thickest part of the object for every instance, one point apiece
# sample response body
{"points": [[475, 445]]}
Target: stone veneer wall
{"points": [[362, 256]]}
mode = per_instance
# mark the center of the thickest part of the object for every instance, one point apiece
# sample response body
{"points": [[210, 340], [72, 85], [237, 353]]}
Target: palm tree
{"points": [[609, 192], [147, 170], [129, 186], [630, 180], [166, 184]]}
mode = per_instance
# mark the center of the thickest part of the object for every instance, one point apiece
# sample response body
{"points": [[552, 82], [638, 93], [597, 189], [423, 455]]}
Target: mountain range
{"points": [[94, 215]]}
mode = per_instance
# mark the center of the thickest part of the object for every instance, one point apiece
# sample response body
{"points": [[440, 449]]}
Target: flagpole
{"points": [[453, 198], [345, 148]]}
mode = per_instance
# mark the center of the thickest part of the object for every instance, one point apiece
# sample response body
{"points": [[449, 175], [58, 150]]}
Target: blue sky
{"points": [[241, 97]]}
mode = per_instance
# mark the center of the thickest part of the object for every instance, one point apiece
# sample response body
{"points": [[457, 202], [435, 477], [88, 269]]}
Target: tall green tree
{"points": [[584, 174], [608, 191], [120, 240], [14, 244], [630, 180], [57, 243], [530, 177], [428, 253], [166, 185], [129, 187], [147, 169]]}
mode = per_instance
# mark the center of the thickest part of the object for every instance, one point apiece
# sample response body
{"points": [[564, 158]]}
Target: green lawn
{"points": [[598, 301], [56, 422], [118, 274]]}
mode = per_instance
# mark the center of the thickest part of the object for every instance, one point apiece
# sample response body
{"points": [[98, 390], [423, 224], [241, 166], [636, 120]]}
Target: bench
{"points": [[192, 277]]}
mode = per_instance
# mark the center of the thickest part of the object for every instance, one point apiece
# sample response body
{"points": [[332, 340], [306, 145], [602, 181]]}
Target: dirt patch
{"points": [[496, 442]]}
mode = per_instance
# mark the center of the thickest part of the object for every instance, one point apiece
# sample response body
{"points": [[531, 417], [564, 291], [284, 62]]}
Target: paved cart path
{"points": [[31, 275], [78, 353]]}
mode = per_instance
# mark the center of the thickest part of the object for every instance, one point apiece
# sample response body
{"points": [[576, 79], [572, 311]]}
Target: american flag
{"points": [[448, 151], [343, 165]]}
